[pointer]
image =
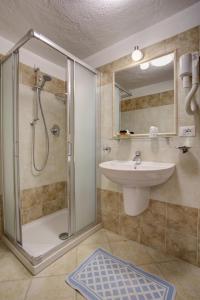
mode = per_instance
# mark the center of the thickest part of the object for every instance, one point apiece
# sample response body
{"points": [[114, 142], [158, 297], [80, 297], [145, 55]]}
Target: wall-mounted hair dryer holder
{"points": [[189, 72]]}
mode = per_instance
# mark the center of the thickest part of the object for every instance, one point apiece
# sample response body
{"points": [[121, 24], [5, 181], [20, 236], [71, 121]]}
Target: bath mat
{"points": [[103, 276]]}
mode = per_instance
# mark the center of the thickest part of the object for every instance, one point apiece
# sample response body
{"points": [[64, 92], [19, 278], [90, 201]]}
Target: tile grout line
{"points": [[26, 294]]}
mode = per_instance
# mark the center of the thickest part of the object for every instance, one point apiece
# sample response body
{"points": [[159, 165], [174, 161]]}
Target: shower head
{"points": [[45, 78]]}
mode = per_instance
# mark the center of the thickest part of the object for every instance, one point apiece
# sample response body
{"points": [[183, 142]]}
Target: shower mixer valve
{"points": [[55, 130]]}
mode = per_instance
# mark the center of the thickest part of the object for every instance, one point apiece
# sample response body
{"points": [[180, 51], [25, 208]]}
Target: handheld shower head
{"points": [[45, 78]]}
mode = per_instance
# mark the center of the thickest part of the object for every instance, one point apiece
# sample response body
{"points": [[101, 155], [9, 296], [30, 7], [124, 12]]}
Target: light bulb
{"points": [[137, 54], [144, 66], [162, 61]]}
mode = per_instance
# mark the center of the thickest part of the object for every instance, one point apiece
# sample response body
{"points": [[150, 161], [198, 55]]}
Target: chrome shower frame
{"points": [[15, 245], [33, 34]]}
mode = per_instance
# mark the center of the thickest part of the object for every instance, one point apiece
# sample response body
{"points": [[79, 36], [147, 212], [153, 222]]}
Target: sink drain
{"points": [[63, 235]]}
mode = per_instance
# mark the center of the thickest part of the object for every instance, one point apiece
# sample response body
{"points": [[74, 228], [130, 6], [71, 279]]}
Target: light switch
{"points": [[187, 131]]}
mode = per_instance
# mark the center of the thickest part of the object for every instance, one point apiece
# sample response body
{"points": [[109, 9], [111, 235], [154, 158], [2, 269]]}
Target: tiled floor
{"points": [[16, 283]]}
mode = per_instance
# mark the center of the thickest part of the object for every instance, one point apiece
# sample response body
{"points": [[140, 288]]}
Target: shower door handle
{"points": [[69, 149]]}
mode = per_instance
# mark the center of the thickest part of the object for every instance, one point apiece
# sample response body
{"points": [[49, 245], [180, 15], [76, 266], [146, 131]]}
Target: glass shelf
{"points": [[142, 136]]}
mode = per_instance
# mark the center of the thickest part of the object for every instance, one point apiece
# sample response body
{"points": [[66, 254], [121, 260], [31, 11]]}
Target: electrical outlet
{"points": [[187, 131]]}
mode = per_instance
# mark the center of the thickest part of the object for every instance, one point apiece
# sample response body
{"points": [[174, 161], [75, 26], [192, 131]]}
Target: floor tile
{"points": [[131, 251], [159, 256], [114, 237], [99, 236], [50, 288], [65, 264], [79, 296], [16, 283], [3, 247], [14, 290], [83, 251], [11, 268], [153, 269], [184, 276]]}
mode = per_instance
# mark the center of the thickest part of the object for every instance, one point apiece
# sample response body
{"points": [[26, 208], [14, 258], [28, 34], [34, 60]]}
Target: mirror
{"points": [[144, 96]]}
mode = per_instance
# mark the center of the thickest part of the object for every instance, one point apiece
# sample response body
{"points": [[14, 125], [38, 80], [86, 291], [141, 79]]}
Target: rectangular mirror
{"points": [[144, 96]]}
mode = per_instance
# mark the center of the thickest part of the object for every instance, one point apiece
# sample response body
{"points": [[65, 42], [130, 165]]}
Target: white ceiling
{"points": [[84, 27]]}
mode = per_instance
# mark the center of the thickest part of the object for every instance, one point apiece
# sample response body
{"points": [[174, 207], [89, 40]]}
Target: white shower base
{"points": [[42, 235]]}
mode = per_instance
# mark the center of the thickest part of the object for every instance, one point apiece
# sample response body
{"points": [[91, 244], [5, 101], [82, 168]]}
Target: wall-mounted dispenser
{"points": [[189, 72]]}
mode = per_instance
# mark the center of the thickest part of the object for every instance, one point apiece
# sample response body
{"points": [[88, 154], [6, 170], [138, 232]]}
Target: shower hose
{"points": [[39, 169]]}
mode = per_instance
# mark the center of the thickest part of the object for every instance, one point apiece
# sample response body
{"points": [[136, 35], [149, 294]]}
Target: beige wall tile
{"points": [[44, 200], [181, 245], [152, 235], [32, 213], [27, 77], [155, 214], [110, 202], [153, 222], [182, 219], [111, 222], [98, 206], [159, 99], [129, 227], [152, 228]]}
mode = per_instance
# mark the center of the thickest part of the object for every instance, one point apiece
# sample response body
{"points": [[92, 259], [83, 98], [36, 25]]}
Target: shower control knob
{"points": [[55, 130]]}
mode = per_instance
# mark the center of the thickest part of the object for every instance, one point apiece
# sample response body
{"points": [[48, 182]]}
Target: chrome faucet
{"points": [[137, 158]]}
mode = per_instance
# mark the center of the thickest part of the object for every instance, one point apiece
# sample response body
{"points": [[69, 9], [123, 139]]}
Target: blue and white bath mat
{"points": [[103, 276]]}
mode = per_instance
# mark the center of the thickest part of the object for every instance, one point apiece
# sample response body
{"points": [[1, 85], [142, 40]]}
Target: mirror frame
{"points": [[164, 134]]}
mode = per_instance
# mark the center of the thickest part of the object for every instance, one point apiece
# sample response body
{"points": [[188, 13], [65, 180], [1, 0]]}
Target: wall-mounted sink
{"points": [[136, 180]]}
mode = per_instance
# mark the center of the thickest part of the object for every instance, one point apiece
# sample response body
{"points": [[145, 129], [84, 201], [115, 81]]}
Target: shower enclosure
{"points": [[48, 148]]}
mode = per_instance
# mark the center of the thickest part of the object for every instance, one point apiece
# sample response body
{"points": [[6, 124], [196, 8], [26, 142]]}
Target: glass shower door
{"points": [[9, 147], [82, 96]]}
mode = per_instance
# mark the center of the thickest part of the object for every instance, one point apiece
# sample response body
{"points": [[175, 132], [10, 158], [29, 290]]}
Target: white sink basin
{"points": [[129, 174], [136, 180]]}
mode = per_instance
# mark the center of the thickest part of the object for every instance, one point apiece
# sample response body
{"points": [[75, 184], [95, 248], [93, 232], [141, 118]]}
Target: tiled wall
{"points": [[44, 194], [168, 227], [54, 111], [159, 99], [41, 193], [27, 77], [140, 113], [41, 201], [172, 219], [140, 120]]}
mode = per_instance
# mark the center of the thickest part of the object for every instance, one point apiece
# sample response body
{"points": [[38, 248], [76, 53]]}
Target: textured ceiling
{"points": [[84, 27]]}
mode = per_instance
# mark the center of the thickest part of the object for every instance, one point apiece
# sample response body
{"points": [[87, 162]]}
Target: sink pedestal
{"points": [[136, 181], [136, 200]]}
